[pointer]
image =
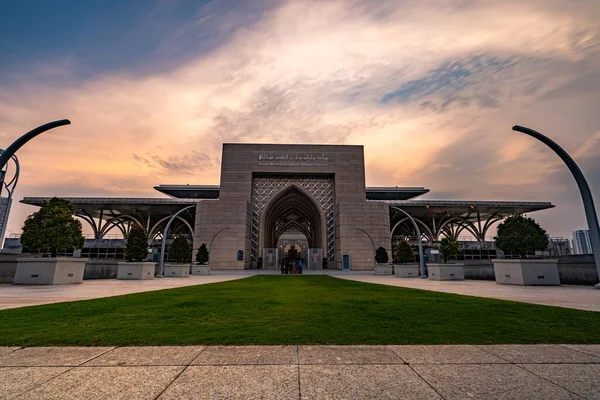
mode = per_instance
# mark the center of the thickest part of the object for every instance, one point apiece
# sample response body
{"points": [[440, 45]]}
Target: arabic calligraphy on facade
{"points": [[293, 159]]}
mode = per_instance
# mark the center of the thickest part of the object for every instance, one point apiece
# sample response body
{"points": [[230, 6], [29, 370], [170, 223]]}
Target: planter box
{"points": [[446, 272], [384, 269], [200, 270], [177, 271], [49, 270], [136, 270], [406, 270], [527, 272]]}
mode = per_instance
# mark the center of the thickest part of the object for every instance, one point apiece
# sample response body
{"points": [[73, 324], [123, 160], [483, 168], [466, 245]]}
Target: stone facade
{"points": [[289, 168]]}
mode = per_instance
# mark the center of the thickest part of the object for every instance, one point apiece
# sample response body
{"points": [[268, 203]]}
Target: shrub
{"points": [[52, 228], [520, 234], [404, 253], [381, 255], [179, 250], [202, 254], [448, 248], [136, 244]]}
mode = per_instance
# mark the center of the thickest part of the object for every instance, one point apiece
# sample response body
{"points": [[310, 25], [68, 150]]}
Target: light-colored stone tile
{"points": [[235, 382], [488, 381], [583, 379], [347, 355], [593, 349], [362, 382], [51, 356], [539, 353], [6, 350], [240, 355], [96, 383], [445, 354], [17, 380], [154, 355]]}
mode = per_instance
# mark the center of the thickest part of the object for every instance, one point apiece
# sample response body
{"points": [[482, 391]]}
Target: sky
{"points": [[430, 88]]}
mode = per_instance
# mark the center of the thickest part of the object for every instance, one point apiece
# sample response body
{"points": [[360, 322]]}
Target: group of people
{"points": [[292, 265]]}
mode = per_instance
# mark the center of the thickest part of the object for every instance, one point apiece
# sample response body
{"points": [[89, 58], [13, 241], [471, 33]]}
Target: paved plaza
{"points": [[570, 296], [302, 372]]}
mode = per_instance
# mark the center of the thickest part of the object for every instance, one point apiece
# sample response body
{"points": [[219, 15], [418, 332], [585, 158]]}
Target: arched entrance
{"points": [[292, 218]]}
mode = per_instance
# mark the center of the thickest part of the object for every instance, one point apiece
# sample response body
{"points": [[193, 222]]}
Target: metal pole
{"points": [[17, 144], [211, 243], [419, 242], [372, 243], [584, 190], [163, 245]]}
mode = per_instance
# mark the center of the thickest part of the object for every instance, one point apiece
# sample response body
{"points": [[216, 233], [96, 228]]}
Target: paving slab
{"points": [[593, 349], [235, 382], [393, 381], [539, 353], [17, 380], [445, 354], [148, 355], [583, 379], [347, 355], [96, 383], [6, 350], [51, 356], [240, 355], [489, 381], [570, 296]]}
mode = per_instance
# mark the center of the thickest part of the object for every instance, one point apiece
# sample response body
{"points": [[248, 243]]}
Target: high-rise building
{"points": [[581, 242]]}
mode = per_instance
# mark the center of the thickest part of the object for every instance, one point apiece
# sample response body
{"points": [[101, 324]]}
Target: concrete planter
{"points": [[406, 270], [49, 270], [446, 272], [527, 272], [200, 270], [384, 269], [136, 270], [177, 271]]}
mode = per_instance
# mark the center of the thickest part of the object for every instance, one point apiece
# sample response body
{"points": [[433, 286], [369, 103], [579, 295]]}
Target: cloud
{"points": [[430, 88]]}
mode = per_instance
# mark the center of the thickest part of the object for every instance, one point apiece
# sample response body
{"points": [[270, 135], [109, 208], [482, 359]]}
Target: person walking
{"points": [[300, 266], [282, 266]]}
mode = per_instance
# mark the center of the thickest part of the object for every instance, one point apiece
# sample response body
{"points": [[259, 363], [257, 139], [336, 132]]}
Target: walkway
{"points": [[14, 296], [302, 372], [578, 297], [570, 296]]}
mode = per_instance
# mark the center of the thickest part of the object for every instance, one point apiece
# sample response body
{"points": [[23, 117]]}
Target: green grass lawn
{"points": [[294, 310]]}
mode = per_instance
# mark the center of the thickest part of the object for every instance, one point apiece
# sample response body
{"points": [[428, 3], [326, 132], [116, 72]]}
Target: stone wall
{"points": [[577, 270], [8, 266], [101, 269]]}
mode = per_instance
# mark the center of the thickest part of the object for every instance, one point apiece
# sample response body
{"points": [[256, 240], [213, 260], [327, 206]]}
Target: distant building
{"points": [[581, 242], [558, 246]]}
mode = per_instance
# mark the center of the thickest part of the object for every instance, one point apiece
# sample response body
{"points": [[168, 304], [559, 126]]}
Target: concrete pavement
{"points": [[302, 372]]}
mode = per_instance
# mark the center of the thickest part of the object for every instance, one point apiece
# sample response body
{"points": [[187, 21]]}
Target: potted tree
{"points": [[449, 248], [136, 253], [180, 252], [404, 258], [382, 267], [46, 232], [520, 234], [201, 267]]}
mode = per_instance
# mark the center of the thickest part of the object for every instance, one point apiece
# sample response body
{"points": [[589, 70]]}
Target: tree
{"points": [[520, 234], [179, 250], [448, 248], [202, 254], [381, 256], [52, 228], [136, 244], [404, 253]]}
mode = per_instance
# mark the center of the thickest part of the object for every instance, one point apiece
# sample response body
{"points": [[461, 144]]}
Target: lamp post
{"points": [[419, 242], [211, 243], [584, 190], [17, 144], [163, 243], [372, 243]]}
